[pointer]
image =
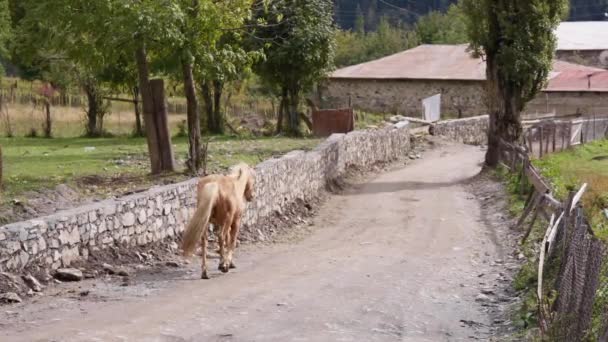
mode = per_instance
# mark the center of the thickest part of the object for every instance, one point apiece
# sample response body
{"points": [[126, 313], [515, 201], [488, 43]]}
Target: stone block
{"points": [[142, 217], [128, 219]]}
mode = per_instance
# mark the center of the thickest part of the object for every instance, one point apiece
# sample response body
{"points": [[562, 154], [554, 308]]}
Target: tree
{"points": [[227, 61], [516, 39], [98, 33], [55, 58], [5, 37], [298, 43], [354, 47], [440, 28], [6, 31], [209, 53], [360, 21]]}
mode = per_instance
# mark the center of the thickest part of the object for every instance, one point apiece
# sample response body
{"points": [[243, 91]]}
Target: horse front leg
{"points": [[234, 234]]}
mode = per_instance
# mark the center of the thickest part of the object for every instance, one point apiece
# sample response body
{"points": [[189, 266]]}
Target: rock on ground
{"points": [[32, 282], [9, 298], [68, 274]]}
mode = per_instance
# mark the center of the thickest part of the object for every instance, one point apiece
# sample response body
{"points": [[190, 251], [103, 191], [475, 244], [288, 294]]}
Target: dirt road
{"points": [[400, 258]]}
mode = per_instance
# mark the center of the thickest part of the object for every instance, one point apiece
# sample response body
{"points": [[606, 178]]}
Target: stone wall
{"points": [[584, 57], [565, 103], [458, 97], [472, 131], [162, 212], [405, 96]]}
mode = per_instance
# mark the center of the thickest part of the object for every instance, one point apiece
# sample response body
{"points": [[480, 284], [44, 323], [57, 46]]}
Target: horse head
{"points": [[246, 174]]}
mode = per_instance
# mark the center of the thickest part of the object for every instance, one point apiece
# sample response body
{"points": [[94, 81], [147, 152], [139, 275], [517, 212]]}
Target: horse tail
{"points": [[200, 220]]}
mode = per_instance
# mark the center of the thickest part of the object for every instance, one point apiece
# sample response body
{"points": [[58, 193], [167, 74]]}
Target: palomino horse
{"points": [[220, 201]]}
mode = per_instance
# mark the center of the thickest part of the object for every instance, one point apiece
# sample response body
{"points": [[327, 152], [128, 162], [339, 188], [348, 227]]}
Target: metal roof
{"points": [[582, 35], [579, 80], [425, 62], [435, 62]]}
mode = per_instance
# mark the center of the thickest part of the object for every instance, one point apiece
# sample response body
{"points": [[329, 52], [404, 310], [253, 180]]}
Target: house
{"points": [[583, 42], [398, 84], [573, 92]]}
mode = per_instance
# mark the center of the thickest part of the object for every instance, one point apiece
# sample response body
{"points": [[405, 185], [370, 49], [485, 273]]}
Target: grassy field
{"points": [[70, 121], [118, 162], [35, 163], [568, 170]]}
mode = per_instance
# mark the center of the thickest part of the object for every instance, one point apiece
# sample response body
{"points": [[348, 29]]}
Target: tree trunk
{"points": [[139, 131], [161, 118], [505, 106], [208, 99], [218, 115], [194, 124], [283, 108], [94, 125], [293, 116], [152, 133], [48, 122]]}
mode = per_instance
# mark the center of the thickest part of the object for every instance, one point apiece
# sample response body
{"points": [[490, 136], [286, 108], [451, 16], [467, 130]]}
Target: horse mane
{"points": [[238, 170]]}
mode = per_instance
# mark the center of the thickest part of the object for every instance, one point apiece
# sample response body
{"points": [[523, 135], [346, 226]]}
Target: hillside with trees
{"points": [[409, 11]]}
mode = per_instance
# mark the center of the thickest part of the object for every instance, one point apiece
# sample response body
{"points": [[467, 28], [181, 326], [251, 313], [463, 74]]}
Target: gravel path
{"points": [[400, 258]]}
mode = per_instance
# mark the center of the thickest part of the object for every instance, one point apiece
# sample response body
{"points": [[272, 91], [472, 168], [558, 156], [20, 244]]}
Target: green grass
{"points": [[526, 279], [568, 170], [35, 163], [364, 119]]}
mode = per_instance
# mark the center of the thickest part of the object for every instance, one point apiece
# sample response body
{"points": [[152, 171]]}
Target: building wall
{"points": [[584, 57], [405, 96], [568, 103]]}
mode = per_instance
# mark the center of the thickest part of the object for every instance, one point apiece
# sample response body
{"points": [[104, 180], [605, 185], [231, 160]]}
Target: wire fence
{"points": [[548, 136], [570, 256]]}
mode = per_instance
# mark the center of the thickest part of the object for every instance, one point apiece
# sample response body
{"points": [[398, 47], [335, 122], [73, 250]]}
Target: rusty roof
{"points": [[579, 80], [427, 62], [582, 35], [453, 62]]}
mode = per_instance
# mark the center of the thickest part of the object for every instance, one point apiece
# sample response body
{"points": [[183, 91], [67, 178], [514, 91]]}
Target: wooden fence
{"points": [[548, 136], [568, 242]]}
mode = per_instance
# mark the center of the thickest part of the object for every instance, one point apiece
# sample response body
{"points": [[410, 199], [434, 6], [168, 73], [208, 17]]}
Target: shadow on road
{"points": [[384, 187]]}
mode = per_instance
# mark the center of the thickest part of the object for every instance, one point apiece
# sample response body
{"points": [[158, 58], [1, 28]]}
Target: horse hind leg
{"points": [[204, 243], [234, 233], [224, 265]]}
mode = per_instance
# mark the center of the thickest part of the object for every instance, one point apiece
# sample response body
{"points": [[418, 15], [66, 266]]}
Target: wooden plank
{"points": [[549, 135], [552, 202], [534, 217], [540, 141], [504, 165], [536, 198], [536, 180], [543, 210], [554, 137], [541, 261], [522, 176], [578, 197], [119, 99], [553, 233]]}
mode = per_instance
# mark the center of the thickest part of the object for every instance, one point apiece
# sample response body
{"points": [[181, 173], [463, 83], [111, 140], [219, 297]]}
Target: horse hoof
{"points": [[232, 265], [204, 275], [224, 269]]}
